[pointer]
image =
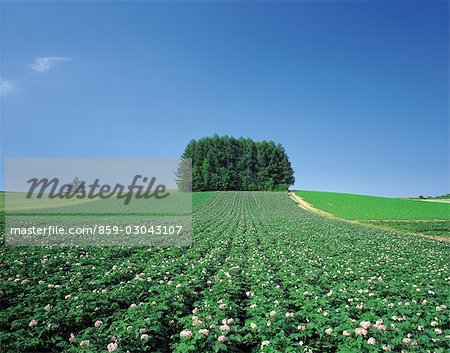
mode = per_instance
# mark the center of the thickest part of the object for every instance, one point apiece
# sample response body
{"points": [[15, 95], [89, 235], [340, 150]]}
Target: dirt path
{"points": [[307, 206], [434, 200]]}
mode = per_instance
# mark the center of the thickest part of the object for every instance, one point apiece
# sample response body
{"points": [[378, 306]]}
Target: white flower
{"points": [[365, 324], [264, 343], [224, 328], [196, 322], [371, 341], [360, 331], [112, 346], [186, 333], [222, 338]]}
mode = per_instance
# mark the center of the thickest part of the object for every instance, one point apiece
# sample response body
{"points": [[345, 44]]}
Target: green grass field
{"points": [[431, 218], [362, 207]]}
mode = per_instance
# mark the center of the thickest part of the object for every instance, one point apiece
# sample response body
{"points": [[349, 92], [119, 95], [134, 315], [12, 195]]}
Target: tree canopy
{"points": [[227, 163]]}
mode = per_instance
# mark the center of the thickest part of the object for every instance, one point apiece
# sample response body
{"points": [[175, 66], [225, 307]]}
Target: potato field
{"points": [[262, 275]]}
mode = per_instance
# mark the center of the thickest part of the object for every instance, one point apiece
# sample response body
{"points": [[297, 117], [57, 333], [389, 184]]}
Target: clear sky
{"points": [[357, 92]]}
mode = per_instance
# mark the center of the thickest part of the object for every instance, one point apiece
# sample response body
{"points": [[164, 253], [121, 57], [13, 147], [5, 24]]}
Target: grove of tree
{"points": [[227, 163]]}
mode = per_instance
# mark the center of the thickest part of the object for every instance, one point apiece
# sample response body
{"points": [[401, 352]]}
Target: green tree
{"points": [[226, 163]]}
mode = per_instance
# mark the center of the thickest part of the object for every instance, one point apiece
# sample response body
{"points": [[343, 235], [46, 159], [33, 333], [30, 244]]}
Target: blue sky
{"points": [[357, 92]]}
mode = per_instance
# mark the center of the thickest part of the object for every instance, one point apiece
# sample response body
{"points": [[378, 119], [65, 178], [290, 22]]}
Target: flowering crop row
{"points": [[262, 276]]}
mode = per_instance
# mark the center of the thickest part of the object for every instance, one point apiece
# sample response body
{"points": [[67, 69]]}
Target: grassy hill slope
{"points": [[363, 207], [431, 218]]}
